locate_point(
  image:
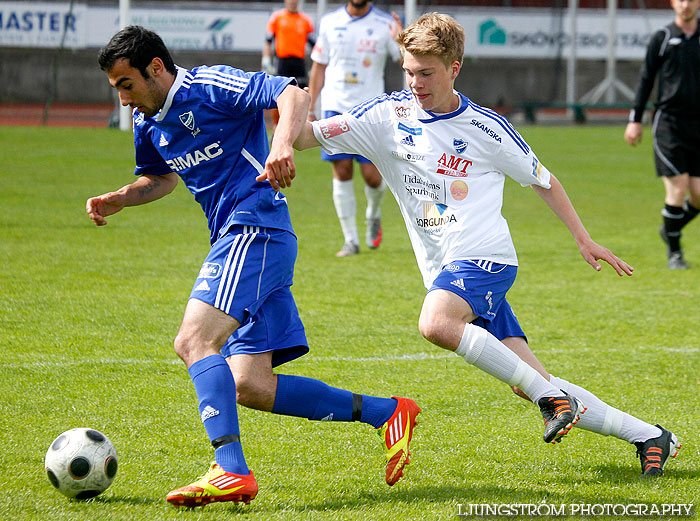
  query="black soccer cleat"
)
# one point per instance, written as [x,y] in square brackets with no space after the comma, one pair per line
[654,452]
[560,413]
[675,258]
[676,261]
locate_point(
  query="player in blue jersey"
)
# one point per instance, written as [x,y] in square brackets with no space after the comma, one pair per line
[206,126]
[446,160]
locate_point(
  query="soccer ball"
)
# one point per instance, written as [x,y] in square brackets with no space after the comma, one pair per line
[81,463]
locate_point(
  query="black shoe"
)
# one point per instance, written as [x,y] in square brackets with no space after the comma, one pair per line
[653,453]
[676,261]
[560,413]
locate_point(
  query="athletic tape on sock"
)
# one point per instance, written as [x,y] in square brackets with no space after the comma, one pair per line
[612,424]
[472,343]
[523,375]
[356,407]
[225,440]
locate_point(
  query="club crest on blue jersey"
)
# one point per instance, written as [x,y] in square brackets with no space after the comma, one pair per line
[187,119]
[460,145]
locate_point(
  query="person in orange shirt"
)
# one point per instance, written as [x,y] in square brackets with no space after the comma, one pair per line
[291,30]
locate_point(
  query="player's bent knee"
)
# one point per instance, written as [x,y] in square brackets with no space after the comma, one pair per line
[191,349]
[181,347]
[255,391]
[433,330]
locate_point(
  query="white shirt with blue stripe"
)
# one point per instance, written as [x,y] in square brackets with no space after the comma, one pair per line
[447,172]
[354,50]
[211,132]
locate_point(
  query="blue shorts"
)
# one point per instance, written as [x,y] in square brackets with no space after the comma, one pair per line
[247,275]
[338,157]
[483,284]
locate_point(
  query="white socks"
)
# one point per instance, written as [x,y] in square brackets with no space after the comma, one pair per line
[374,196]
[606,420]
[345,207]
[483,350]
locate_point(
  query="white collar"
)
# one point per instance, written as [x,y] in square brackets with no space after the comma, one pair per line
[181,73]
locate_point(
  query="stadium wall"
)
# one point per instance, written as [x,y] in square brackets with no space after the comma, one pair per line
[28,74]
[513,56]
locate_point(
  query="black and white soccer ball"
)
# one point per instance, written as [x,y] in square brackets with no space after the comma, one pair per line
[81,463]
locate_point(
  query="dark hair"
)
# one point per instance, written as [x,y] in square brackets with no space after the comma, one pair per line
[139,46]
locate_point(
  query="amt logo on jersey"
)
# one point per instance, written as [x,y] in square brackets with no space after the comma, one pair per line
[454,166]
[193,159]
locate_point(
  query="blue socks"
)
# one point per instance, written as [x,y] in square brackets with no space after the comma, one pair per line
[313,399]
[296,396]
[216,392]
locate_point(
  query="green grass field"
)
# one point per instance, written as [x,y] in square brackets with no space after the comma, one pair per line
[88,315]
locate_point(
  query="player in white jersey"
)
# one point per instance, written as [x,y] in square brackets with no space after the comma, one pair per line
[446,160]
[353,44]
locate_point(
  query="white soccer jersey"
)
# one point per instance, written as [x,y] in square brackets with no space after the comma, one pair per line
[354,51]
[447,172]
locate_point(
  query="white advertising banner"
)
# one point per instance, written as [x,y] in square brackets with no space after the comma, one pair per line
[39,24]
[529,33]
[186,29]
[491,32]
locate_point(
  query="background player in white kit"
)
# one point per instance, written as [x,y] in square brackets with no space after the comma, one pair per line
[348,68]
[445,159]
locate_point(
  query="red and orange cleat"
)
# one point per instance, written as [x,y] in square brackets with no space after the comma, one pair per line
[216,485]
[396,434]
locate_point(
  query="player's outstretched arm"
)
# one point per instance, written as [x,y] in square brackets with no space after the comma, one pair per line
[306,138]
[557,199]
[317,78]
[145,189]
[293,105]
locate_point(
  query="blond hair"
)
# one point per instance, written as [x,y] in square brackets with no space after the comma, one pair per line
[433,34]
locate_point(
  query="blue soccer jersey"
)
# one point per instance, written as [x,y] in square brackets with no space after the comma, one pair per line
[211,132]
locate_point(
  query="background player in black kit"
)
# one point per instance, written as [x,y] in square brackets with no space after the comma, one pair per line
[673,55]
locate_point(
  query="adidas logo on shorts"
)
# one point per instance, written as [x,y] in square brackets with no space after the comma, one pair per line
[202,286]
[459,283]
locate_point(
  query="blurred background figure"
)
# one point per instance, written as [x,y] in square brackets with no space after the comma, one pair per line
[673,55]
[290,29]
[353,44]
